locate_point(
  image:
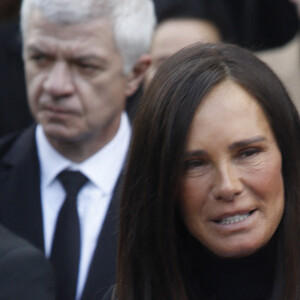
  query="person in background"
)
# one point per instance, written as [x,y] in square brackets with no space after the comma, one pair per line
[253,24]
[176,33]
[285,62]
[24,271]
[59,180]
[297,4]
[213,178]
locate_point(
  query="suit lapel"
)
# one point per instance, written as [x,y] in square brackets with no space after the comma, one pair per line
[20,211]
[102,271]
[20,205]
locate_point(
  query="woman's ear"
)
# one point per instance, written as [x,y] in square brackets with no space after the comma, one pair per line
[136,75]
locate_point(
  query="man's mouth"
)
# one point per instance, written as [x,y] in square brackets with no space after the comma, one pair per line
[56,110]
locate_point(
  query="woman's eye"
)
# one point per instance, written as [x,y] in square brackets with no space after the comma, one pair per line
[194,163]
[248,152]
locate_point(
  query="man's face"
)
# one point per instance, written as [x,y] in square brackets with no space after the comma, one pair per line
[75,82]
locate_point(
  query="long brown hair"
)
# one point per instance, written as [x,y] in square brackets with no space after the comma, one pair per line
[148,262]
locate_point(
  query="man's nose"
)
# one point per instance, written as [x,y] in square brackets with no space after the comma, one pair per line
[228,183]
[59,81]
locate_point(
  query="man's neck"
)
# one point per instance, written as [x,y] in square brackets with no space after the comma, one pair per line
[76,151]
[80,149]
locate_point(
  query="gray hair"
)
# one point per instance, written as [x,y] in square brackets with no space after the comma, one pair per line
[133,21]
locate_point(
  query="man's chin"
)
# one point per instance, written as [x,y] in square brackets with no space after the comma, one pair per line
[61,134]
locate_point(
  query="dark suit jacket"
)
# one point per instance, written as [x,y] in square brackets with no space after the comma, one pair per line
[20,208]
[110,294]
[25,274]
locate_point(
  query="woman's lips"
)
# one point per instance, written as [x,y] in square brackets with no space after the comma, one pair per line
[233,218]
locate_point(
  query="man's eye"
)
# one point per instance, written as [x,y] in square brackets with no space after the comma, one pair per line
[86,66]
[38,58]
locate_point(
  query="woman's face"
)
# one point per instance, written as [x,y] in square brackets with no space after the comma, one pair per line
[233,193]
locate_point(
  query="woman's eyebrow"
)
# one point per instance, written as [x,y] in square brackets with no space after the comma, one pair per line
[238,144]
[247,142]
[189,154]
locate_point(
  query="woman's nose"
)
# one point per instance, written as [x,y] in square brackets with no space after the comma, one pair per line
[228,183]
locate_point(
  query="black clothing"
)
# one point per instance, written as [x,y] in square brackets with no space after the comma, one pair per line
[65,252]
[214,278]
[21,211]
[110,294]
[24,271]
[209,277]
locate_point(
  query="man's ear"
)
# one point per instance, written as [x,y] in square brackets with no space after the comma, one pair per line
[136,75]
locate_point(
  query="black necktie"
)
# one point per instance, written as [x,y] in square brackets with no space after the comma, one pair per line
[66,243]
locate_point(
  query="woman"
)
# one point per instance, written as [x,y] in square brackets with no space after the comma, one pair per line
[210,208]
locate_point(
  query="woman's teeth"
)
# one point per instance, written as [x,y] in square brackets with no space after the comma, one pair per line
[233,219]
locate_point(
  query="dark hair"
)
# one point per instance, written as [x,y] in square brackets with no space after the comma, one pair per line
[148,266]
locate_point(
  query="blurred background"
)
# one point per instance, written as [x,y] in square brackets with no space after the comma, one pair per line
[254,24]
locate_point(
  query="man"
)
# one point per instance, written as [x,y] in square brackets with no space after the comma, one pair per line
[24,272]
[82,60]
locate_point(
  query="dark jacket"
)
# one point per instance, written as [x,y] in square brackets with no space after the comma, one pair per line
[25,274]
[20,208]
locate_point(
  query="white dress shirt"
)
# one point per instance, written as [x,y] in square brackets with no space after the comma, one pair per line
[102,169]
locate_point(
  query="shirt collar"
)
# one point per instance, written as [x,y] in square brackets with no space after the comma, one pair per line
[103,168]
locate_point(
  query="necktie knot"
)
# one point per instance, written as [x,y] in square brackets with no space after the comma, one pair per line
[72,181]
